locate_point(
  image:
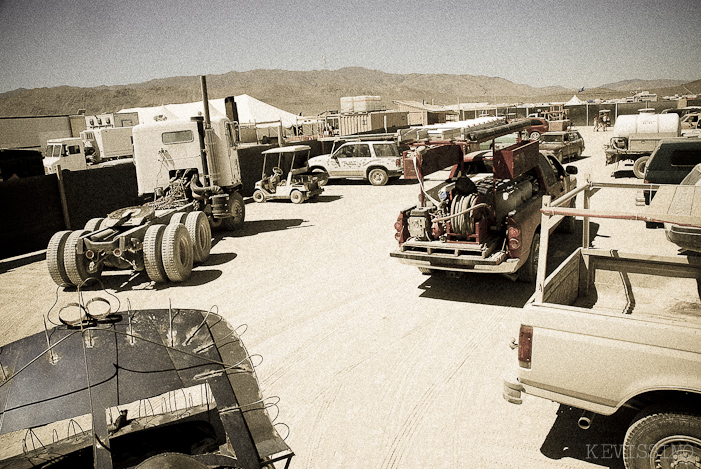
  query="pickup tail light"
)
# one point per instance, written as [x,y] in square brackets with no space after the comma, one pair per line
[525,346]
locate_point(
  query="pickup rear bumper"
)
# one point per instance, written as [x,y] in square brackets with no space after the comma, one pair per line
[513,389]
[497,263]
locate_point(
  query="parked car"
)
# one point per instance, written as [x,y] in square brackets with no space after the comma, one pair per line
[686,237]
[671,161]
[534,132]
[375,161]
[562,145]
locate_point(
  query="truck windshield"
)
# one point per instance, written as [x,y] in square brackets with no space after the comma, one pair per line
[53,151]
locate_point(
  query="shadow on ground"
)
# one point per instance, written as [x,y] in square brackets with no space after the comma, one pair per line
[251,228]
[601,444]
[498,290]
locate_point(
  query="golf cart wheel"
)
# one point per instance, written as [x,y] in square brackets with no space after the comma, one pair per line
[529,270]
[54,258]
[237,208]
[296,197]
[378,177]
[77,265]
[177,252]
[535,135]
[201,234]
[153,258]
[93,224]
[639,167]
[259,196]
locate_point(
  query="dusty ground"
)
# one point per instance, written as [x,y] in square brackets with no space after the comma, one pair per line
[375,364]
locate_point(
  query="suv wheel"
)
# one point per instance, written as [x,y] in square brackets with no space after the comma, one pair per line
[378,177]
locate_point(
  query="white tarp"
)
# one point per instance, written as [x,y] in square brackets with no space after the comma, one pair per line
[250,110]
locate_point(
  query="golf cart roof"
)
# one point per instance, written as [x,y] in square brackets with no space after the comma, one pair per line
[287,149]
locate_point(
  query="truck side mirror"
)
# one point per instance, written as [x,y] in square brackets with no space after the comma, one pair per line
[571,170]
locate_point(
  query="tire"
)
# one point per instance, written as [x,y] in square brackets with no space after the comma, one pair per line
[176,249]
[639,167]
[535,135]
[77,265]
[378,177]
[425,270]
[153,257]
[54,258]
[529,271]
[201,235]
[259,196]
[238,212]
[663,436]
[177,218]
[93,224]
[323,176]
[296,197]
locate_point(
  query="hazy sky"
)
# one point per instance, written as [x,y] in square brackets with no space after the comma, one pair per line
[538,43]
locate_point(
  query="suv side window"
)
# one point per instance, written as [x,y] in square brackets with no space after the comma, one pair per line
[363,151]
[386,150]
[346,152]
[684,158]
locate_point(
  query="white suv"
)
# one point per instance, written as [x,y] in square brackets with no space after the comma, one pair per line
[376,161]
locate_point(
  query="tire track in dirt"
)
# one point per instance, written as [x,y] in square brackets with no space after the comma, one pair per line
[402,440]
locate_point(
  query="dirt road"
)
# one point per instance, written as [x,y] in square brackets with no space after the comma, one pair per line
[376,365]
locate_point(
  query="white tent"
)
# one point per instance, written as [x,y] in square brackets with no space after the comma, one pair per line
[250,111]
[574,101]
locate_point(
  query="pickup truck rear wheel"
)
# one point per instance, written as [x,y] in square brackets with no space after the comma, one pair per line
[639,167]
[529,270]
[663,438]
[378,177]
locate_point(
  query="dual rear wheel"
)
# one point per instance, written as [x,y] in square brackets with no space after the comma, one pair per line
[169,251]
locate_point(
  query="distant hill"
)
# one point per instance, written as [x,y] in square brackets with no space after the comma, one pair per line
[308,93]
[642,85]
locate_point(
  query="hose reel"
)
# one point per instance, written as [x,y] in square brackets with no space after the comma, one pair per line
[463,224]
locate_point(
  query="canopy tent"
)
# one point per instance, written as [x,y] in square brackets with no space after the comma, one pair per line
[250,111]
[574,101]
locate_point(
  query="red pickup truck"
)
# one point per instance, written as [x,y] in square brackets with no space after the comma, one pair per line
[485,216]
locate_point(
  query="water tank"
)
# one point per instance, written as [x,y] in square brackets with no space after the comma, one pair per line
[627,125]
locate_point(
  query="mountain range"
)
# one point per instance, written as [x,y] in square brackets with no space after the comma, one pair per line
[312,92]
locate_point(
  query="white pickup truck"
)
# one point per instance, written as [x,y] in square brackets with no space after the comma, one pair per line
[608,330]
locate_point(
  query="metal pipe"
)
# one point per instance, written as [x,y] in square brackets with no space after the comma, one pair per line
[585,420]
[205,101]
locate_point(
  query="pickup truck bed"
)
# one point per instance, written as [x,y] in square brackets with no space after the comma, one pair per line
[610,318]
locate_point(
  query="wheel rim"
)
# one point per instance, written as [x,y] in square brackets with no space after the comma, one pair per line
[677,451]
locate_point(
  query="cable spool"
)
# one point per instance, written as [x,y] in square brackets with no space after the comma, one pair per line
[463,224]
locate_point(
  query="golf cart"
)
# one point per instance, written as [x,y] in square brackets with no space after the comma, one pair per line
[285,175]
